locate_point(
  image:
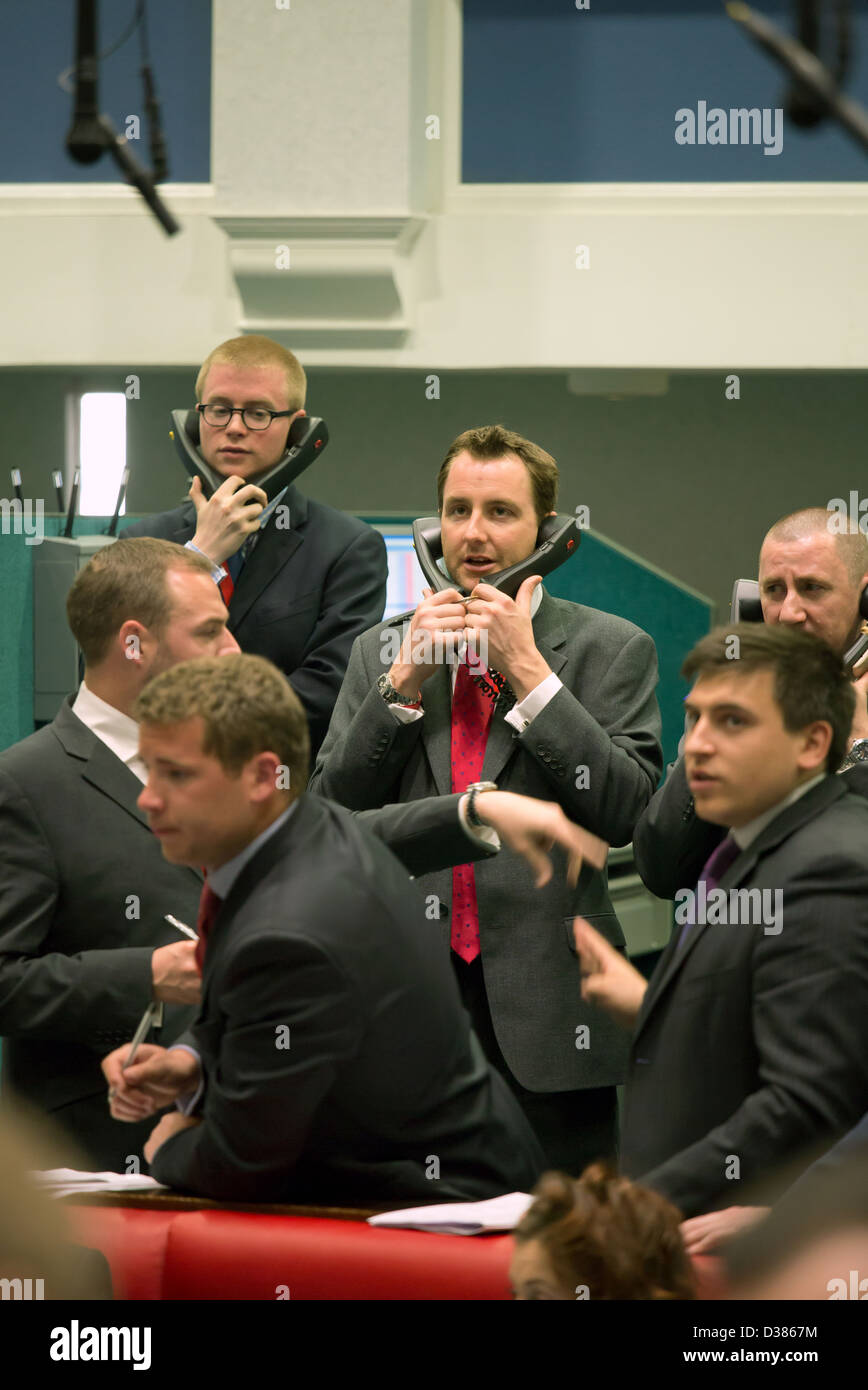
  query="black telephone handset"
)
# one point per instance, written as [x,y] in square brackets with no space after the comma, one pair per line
[746,607]
[308,436]
[558,539]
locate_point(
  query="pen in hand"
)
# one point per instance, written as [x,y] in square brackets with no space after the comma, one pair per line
[153,1015]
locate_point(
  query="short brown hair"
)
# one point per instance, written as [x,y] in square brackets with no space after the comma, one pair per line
[603,1231]
[852,544]
[810,681]
[254,350]
[492,442]
[247,706]
[125,580]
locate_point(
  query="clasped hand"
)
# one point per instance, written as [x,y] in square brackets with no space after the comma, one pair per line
[157,1077]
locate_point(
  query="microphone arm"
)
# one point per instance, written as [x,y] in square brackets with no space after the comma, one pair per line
[800,63]
[92,134]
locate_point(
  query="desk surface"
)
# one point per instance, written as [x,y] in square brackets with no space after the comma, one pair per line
[179,1201]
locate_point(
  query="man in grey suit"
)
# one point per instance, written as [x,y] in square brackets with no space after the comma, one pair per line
[84,889]
[811,579]
[748,1046]
[584,730]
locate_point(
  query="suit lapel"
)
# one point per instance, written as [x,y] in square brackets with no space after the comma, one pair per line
[273,550]
[99,766]
[437,727]
[812,804]
[502,737]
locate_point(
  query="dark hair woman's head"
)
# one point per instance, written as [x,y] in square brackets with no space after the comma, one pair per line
[599,1237]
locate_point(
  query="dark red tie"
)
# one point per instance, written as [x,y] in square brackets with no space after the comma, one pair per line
[209,906]
[471,716]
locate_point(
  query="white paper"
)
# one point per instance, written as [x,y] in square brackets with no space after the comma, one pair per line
[60,1182]
[461,1218]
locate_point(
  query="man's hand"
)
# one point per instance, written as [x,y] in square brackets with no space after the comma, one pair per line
[531,827]
[702,1234]
[435,632]
[859,727]
[157,1077]
[170,1124]
[175,973]
[226,519]
[608,978]
[500,630]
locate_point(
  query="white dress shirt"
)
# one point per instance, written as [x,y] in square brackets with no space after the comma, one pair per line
[112,727]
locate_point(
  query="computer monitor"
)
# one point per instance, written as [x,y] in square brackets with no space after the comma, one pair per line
[406,581]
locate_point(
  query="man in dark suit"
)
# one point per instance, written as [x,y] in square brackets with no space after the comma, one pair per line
[811,579]
[584,731]
[749,1040]
[301,579]
[335,1057]
[84,888]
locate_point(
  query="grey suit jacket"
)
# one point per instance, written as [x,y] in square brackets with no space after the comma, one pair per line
[750,1045]
[83,892]
[606,720]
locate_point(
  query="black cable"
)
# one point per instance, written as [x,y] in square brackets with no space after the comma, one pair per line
[138,14]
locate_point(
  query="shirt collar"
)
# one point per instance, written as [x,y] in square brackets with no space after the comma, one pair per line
[746,834]
[115,729]
[222,880]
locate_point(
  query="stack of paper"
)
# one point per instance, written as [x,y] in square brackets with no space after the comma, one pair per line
[461,1218]
[60,1182]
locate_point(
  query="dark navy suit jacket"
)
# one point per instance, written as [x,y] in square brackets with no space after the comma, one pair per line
[306,592]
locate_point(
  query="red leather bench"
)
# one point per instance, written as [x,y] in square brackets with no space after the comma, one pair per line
[251,1255]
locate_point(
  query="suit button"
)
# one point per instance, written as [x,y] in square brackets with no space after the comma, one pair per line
[540,749]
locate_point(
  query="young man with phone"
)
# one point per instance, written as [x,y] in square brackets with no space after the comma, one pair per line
[301,579]
[811,579]
[566,711]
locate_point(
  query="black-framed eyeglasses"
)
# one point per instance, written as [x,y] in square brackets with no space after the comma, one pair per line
[255,417]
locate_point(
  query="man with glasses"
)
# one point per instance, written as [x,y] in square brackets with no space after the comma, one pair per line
[301,580]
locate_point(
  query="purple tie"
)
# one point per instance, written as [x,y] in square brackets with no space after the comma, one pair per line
[712,871]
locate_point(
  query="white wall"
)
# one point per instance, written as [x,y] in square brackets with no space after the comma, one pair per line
[319,144]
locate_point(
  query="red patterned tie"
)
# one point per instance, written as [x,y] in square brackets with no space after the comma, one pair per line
[471,716]
[209,906]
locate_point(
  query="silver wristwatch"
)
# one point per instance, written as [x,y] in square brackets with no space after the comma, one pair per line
[857,754]
[474,788]
[393,696]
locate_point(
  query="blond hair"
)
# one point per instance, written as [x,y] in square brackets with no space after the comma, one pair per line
[254,350]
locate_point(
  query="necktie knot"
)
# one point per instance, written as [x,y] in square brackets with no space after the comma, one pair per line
[717,863]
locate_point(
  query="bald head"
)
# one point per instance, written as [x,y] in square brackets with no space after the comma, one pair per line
[813,567]
[851,543]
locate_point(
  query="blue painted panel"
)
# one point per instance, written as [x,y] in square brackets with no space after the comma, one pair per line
[35,113]
[552,94]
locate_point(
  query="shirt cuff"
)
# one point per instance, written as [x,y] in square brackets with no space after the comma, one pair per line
[188,1101]
[533,704]
[217,571]
[404,714]
[480,834]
